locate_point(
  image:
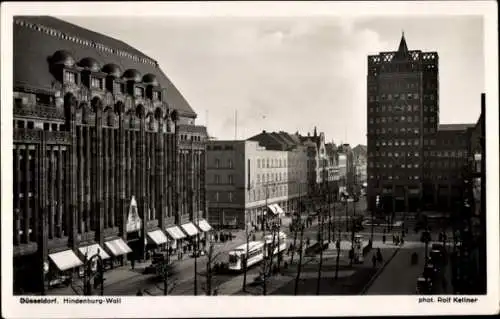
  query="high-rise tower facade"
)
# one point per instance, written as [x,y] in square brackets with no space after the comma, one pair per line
[403,115]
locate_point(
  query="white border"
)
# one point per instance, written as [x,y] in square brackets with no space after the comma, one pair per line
[268,306]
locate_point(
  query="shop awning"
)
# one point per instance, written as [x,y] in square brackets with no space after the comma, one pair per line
[279,209]
[65,260]
[204,225]
[118,247]
[175,232]
[189,228]
[272,209]
[92,250]
[157,237]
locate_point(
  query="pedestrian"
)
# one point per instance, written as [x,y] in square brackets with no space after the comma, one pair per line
[374,261]
[402,241]
[216,237]
[132,262]
[383,239]
[379,255]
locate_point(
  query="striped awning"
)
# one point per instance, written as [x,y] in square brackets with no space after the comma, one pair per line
[92,250]
[204,225]
[272,209]
[65,260]
[189,228]
[175,232]
[118,247]
[157,237]
[279,209]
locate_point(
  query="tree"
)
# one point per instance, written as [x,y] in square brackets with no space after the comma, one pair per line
[245,260]
[320,233]
[300,258]
[209,273]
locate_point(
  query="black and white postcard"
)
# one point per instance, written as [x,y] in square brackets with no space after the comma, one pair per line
[248,159]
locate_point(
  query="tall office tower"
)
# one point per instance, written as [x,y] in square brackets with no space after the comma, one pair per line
[403,114]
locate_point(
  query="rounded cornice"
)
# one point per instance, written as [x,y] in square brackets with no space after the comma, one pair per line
[112,70]
[132,75]
[150,79]
[90,64]
[63,57]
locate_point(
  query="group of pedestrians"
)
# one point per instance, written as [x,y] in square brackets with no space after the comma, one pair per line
[377,258]
[396,239]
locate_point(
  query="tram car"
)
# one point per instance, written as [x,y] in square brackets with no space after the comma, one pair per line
[238,255]
[280,243]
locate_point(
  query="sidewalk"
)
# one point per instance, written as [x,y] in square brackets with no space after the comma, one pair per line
[399,277]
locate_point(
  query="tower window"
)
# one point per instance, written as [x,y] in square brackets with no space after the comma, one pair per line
[96,83]
[139,92]
[69,77]
[156,96]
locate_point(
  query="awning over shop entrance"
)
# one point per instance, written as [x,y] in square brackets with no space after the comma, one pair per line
[175,232]
[204,225]
[189,228]
[272,209]
[118,247]
[157,237]
[65,260]
[279,209]
[92,250]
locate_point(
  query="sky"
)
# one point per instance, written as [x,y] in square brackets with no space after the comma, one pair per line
[296,73]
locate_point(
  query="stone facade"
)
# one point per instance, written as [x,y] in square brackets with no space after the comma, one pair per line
[88,138]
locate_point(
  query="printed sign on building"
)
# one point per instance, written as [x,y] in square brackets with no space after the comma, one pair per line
[133,221]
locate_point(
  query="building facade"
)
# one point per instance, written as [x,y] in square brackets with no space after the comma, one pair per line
[105,150]
[403,114]
[246,181]
[444,169]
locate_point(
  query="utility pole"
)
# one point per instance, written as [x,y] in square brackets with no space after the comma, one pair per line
[300,258]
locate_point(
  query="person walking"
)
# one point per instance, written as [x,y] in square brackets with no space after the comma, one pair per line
[379,255]
[383,239]
[374,261]
[132,262]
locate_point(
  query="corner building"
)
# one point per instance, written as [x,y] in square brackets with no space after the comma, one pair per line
[105,149]
[403,114]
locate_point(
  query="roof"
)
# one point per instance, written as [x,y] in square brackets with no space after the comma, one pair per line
[36,38]
[455,127]
[402,44]
[360,149]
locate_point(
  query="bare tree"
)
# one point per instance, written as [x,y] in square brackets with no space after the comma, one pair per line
[300,258]
[209,272]
[320,242]
[245,260]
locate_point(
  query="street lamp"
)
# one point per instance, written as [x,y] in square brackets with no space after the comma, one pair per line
[88,273]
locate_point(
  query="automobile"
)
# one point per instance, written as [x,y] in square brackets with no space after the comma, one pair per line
[424,286]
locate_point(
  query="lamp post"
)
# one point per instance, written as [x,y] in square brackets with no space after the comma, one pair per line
[88,275]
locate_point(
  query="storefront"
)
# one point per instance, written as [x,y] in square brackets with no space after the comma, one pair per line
[61,267]
[88,252]
[206,231]
[118,249]
[176,235]
[191,231]
[156,242]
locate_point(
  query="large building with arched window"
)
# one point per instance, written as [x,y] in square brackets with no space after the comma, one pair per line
[107,158]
